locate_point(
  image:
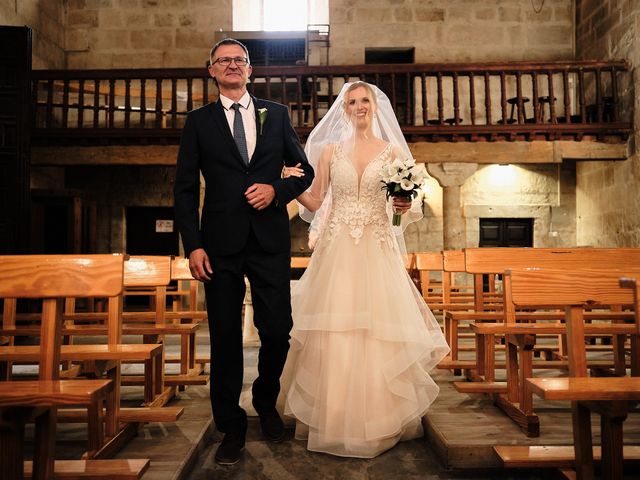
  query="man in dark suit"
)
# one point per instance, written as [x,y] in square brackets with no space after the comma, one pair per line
[240,145]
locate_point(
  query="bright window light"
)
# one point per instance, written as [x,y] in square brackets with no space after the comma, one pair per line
[278,15]
[283,15]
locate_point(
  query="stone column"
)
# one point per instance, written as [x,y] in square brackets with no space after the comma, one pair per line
[451,176]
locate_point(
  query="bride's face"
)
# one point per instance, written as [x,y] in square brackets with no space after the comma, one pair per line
[360,107]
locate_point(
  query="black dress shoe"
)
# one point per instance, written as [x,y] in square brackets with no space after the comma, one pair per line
[232,445]
[272,426]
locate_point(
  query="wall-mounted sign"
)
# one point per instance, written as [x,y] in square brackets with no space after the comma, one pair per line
[164,226]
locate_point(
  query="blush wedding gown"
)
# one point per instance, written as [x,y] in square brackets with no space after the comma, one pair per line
[363,340]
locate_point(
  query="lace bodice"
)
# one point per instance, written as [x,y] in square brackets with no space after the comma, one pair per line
[357,205]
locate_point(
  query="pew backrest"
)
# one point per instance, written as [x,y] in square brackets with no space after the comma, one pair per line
[147,271]
[573,290]
[431,261]
[497,260]
[53,277]
[453,260]
[532,287]
[180,269]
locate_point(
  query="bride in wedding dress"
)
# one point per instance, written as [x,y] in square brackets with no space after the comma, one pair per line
[363,341]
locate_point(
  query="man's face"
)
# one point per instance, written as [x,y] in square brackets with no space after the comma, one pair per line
[232,75]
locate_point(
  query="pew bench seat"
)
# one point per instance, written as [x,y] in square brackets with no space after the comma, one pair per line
[118,469]
[594,329]
[35,397]
[134,317]
[127,329]
[52,393]
[586,388]
[30,353]
[534,316]
[194,378]
[554,456]
[556,364]
[566,388]
[127,414]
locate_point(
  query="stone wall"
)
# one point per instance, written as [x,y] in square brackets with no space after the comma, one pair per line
[143,33]
[452,31]
[544,192]
[178,33]
[117,187]
[46,19]
[608,198]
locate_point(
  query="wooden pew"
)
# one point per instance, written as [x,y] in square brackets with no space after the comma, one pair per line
[609,396]
[148,275]
[494,261]
[51,278]
[456,309]
[187,288]
[105,360]
[152,275]
[300,262]
[426,264]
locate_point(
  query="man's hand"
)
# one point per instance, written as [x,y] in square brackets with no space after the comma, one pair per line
[199,265]
[260,195]
[401,204]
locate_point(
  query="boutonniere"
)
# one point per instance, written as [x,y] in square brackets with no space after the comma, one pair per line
[262,117]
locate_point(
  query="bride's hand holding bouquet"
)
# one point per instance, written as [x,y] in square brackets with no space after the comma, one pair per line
[402,179]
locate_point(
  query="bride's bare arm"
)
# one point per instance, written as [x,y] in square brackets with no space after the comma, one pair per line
[313,197]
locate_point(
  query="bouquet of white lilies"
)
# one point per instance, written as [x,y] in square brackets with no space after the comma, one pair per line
[402,178]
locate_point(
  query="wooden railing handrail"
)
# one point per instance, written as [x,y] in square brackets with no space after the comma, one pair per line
[433,101]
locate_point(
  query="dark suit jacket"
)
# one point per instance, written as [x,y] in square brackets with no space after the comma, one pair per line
[207,146]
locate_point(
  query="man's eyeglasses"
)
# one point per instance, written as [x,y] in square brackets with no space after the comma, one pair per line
[226,61]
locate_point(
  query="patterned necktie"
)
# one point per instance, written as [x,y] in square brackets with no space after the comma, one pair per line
[238,133]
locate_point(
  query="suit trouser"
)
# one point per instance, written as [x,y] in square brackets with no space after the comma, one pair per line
[269,277]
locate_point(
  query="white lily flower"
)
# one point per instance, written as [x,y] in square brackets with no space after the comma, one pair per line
[397,163]
[407,185]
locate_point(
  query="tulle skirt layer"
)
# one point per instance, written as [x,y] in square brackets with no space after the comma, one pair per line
[363,341]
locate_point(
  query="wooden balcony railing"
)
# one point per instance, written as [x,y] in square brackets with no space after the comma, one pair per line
[434,102]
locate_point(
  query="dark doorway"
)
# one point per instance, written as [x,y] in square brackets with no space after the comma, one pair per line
[389,55]
[15,101]
[62,222]
[506,232]
[277,51]
[151,231]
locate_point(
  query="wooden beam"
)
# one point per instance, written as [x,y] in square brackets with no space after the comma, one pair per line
[593,150]
[427,152]
[105,155]
[516,152]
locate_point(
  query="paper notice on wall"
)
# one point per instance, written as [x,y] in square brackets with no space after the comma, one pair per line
[164,226]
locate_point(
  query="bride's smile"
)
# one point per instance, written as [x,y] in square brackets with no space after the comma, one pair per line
[359,106]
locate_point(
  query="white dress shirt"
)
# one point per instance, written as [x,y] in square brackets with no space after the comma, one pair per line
[248,119]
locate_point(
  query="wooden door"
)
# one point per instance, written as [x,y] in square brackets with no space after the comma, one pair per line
[15,107]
